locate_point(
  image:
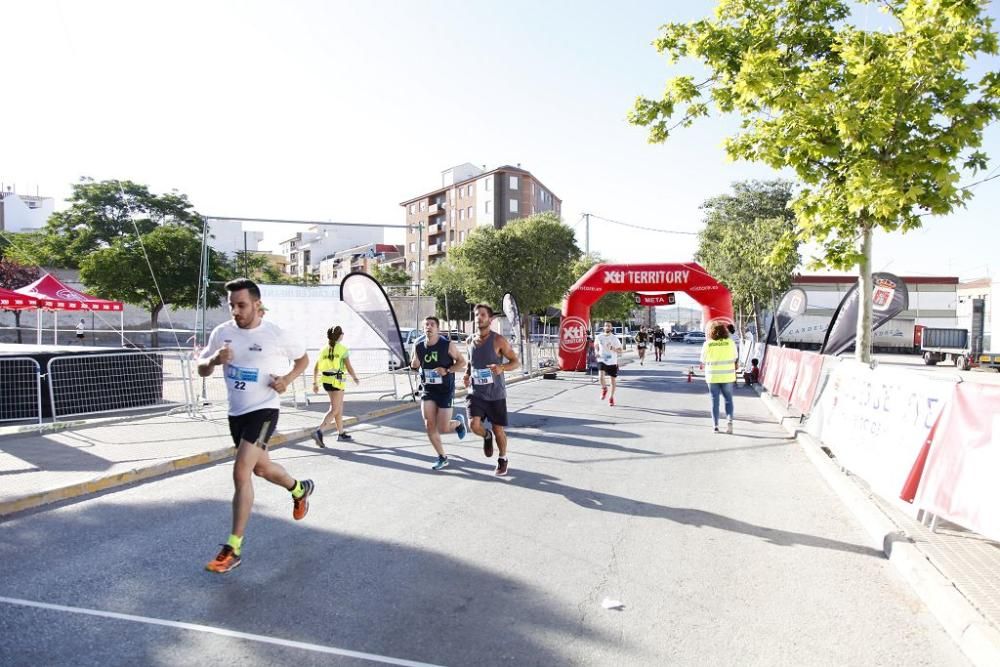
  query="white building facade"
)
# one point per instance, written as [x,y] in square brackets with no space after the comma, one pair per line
[24,213]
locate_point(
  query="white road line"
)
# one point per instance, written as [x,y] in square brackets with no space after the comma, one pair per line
[305,646]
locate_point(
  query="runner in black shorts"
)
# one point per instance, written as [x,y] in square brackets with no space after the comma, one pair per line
[641,342]
[659,340]
[438,360]
[487,399]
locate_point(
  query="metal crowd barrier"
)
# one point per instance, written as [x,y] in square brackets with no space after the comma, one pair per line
[20,389]
[119,382]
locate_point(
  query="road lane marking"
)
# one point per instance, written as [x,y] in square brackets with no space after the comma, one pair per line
[196,627]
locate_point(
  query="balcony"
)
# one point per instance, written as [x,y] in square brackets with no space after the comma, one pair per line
[434,209]
[437,248]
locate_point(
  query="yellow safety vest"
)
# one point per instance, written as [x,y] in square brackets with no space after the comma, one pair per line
[331,365]
[720,361]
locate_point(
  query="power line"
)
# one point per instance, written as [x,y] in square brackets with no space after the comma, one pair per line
[303,222]
[647,229]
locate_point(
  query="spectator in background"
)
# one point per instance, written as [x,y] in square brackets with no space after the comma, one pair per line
[752,376]
[80,328]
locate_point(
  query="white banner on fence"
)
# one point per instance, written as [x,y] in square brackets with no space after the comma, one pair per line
[875,422]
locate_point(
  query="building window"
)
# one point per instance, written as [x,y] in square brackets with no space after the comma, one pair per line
[461,236]
[468,191]
[423,206]
[486,184]
[513,182]
[469,213]
[461,214]
[513,206]
[413,246]
[488,207]
[413,209]
[413,266]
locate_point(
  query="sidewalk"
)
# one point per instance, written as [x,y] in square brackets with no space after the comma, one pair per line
[954,571]
[69,460]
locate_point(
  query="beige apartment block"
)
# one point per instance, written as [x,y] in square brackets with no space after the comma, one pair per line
[469,197]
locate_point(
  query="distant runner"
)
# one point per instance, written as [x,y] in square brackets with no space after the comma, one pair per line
[607,346]
[659,341]
[641,341]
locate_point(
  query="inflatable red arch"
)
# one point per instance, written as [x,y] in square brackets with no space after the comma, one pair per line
[713,296]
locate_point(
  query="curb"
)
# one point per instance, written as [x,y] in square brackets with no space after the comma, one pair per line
[974,635]
[34,500]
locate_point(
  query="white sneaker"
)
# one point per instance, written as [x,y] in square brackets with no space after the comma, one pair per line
[729,427]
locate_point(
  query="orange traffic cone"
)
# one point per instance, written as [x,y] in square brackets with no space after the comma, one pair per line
[690,373]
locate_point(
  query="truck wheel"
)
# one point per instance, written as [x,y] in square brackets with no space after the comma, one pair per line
[929,360]
[961,363]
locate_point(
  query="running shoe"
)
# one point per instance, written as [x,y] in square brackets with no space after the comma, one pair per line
[317,435]
[300,506]
[442,462]
[604,393]
[611,401]
[501,467]
[344,437]
[460,429]
[225,561]
[729,427]
[716,429]
[488,444]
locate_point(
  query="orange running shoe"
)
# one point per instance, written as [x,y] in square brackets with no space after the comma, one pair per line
[300,506]
[225,561]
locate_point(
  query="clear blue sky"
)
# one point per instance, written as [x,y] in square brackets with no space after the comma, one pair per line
[340,110]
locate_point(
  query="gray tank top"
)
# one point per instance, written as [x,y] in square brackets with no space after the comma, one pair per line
[483,355]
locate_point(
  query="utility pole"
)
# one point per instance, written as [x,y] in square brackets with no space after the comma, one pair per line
[586,227]
[420,261]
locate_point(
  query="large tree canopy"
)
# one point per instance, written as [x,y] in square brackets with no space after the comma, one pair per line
[746,241]
[532,258]
[877,124]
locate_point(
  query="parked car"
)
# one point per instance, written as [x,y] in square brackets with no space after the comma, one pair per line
[677,336]
[693,337]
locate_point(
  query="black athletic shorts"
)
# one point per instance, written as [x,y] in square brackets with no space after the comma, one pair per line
[257,427]
[610,369]
[330,387]
[442,399]
[495,412]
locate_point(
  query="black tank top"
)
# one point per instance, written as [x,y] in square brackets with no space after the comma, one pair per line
[436,356]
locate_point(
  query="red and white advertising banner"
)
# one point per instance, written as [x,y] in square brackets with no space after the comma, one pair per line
[771,369]
[875,422]
[960,476]
[789,371]
[810,371]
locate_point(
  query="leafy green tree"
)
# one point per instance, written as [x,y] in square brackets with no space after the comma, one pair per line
[877,124]
[745,243]
[258,267]
[101,213]
[390,275]
[120,271]
[14,276]
[532,258]
[446,282]
[613,306]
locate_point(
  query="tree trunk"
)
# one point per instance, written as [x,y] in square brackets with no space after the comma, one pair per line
[863,339]
[154,319]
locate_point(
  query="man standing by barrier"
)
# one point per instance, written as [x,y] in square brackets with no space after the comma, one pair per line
[607,347]
[255,356]
[487,399]
[438,360]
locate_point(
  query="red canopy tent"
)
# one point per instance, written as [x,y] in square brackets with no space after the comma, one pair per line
[10,300]
[52,294]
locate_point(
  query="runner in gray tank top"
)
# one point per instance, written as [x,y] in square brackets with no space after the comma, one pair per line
[487,398]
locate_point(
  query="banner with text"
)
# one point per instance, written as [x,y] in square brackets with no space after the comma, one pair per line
[875,421]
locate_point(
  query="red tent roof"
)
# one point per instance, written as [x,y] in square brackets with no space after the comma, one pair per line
[54,295]
[16,301]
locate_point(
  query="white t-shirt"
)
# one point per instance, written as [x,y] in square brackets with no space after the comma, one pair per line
[606,346]
[259,355]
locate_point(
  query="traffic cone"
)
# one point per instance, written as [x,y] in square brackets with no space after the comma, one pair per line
[690,373]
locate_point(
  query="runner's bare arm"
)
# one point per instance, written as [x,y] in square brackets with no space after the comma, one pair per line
[460,362]
[513,363]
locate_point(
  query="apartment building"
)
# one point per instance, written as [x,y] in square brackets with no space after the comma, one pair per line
[307,249]
[23,213]
[362,258]
[469,197]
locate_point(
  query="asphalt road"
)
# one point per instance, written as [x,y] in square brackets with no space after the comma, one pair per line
[630,535]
